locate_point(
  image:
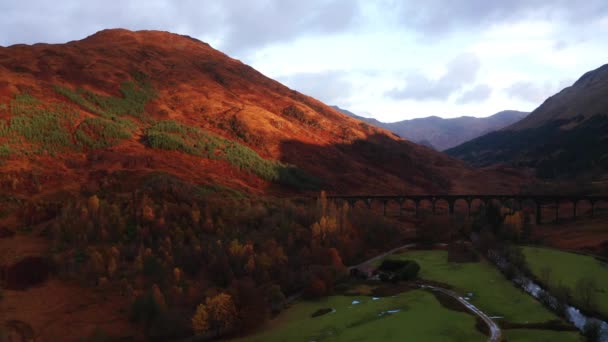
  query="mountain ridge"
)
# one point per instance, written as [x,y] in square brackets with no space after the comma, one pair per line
[442,133]
[563,138]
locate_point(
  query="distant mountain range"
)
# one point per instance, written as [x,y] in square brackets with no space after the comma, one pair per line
[442,134]
[566,137]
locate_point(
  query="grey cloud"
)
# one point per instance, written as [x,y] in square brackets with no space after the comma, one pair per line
[478,93]
[461,71]
[251,25]
[239,25]
[437,16]
[535,92]
[329,87]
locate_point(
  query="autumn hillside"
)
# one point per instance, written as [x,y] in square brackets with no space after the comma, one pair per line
[118,105]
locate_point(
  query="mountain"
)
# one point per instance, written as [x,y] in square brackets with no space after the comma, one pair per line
[565,137]
[442,134]
[76,115]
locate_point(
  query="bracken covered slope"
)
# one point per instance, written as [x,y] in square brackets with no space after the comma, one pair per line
[118,105]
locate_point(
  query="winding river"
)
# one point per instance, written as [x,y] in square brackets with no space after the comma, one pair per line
[572,314]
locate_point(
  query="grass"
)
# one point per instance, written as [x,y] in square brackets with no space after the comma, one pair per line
[530,335]
[171,135]
[492,293]
[421,318]
[566,269]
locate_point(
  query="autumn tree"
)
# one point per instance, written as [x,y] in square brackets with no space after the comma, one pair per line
[200,320]
[218,313]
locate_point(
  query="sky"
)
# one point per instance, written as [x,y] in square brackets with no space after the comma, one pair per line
[388,59]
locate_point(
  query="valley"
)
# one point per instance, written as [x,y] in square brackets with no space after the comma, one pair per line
[153,188]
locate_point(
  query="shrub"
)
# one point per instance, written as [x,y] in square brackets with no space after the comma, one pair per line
[395,270]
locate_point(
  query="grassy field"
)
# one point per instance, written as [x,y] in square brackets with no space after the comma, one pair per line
[559,268]
[492,293]
[421,318]
[530,335]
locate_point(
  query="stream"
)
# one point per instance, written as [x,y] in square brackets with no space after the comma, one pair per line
[572,314]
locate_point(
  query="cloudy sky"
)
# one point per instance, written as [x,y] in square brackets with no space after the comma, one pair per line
[387,59]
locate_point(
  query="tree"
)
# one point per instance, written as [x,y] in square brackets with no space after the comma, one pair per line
[200,320]
[275,297]
[434,230]
[315,289]
[592,331]
[222,312]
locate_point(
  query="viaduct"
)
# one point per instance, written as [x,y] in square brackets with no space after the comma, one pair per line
[538,200]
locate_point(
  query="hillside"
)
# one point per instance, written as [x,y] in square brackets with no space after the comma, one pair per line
[443,134]
[135,102]
[563,138]
[145,173]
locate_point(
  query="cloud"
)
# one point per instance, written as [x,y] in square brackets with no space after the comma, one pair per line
[251,25]
[330,86]
[535,92]
[237,26]
[478,93]
[461,71]
[434,17]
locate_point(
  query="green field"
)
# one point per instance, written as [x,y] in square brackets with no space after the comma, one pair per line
[530,335]
[492,293]
[422,318]
[566,269]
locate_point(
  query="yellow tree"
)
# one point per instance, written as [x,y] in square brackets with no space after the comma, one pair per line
[222,312]
[200,320]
